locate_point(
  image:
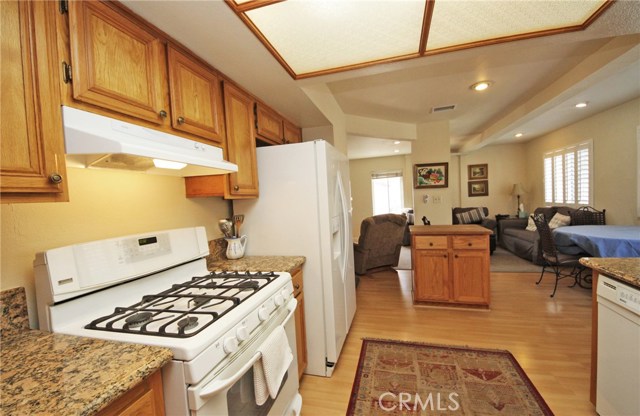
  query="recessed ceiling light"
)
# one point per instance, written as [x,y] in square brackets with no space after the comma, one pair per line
[396,142]
[396,151]
[481,86]
[581,105]
[519,134]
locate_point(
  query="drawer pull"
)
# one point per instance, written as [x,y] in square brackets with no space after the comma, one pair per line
[469,244]
[431,244]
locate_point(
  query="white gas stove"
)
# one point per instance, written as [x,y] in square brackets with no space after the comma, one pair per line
[155,289]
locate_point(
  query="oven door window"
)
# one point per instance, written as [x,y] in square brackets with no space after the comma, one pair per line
[241,398]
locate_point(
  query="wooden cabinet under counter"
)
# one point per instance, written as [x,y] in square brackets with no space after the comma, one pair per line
[451,265]
[301,332]
[145,399]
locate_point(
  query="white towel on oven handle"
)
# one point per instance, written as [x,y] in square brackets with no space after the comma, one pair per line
[269,370]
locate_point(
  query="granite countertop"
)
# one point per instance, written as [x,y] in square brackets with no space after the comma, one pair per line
[45,373]
[626,270]
[258,264]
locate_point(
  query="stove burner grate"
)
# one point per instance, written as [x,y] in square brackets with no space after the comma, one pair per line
[186,308]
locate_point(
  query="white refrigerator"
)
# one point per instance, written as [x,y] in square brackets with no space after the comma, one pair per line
[304,209]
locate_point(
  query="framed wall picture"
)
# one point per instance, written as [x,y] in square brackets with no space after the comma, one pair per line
[431,175]
[478,172]
[479,188]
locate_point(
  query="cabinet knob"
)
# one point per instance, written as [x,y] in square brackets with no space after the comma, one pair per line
[297,286]
[445,256]
[162,114]
[236,188]
[55,178]
[469,244]
[431,244]
[455,255]
[180,120]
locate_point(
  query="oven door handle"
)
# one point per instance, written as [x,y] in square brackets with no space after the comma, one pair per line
[217,386]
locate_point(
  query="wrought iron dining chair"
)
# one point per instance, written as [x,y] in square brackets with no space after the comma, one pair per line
[588,216]
[555,261]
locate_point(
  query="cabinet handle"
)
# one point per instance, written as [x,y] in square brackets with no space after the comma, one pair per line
[297,286]
[180,120]
[55,178]
[236,188]
[163,114]
[455,255]
[469,244]
[430,244]
[445,256]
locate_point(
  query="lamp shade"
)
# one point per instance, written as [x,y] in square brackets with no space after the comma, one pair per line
[518,189]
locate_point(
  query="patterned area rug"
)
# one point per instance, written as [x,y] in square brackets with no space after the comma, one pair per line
[396,377]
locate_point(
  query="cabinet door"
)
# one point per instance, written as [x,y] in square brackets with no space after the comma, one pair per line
[471,276]
[32,146]
[431,275]
[145,399]
[116,63]
[241,145]
[301,335]
[292,134]
[196,99]
[269,124]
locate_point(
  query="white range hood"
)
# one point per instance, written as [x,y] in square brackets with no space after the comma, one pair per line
[92,140]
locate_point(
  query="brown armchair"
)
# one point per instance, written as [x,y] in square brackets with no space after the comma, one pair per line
[380,242]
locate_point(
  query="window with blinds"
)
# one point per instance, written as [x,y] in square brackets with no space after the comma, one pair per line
[387,193]
[567,175]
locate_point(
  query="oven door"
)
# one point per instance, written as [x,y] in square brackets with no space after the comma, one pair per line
[229,391]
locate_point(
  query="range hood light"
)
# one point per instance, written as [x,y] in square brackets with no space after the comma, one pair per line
[168,164]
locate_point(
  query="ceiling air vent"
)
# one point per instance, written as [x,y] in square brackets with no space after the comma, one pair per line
[443,108]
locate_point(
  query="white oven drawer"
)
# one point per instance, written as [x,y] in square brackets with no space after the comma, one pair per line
[229,390]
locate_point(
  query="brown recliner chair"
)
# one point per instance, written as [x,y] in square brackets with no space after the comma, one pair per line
[380,242]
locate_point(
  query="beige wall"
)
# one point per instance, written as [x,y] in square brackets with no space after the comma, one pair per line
[615,166]
[506,165]
[103,204]
[432,146]
[360,175]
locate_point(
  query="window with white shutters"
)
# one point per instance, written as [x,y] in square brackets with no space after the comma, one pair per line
[567,175]
[387,193]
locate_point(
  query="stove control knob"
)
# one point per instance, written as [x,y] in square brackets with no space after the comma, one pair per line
[241,333]
[230,345]
[263,314]
[278,299]
[285,293]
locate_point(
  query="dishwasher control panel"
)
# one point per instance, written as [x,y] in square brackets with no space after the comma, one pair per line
[622,294]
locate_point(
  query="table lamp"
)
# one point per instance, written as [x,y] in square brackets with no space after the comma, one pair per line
[518,190]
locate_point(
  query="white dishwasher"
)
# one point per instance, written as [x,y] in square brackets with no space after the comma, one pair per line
[618,382]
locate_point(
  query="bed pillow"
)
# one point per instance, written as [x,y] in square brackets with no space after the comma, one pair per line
[559,220]
[531,225]
[474,216]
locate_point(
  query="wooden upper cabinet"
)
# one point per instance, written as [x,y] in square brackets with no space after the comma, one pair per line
[268,124]
[241,150]
[241,145]
[196,99]
[32,146]
[292,133]
[116,63]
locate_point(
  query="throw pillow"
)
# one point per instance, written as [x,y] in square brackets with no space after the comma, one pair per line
[531,226]
[474,216]
[559,220]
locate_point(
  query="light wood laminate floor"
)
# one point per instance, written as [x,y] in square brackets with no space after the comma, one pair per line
[550,338]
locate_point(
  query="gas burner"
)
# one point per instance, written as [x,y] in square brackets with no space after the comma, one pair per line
[199,301]
[138,319]
[248,284]
[187,323]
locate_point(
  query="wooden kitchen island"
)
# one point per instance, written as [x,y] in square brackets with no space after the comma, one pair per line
[450,265]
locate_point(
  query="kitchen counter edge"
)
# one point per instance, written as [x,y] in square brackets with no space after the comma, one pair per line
[624,269]
[258,264]
[46,373]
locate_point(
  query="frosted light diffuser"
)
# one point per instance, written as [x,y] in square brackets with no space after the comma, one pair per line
[168,164]
[316,37]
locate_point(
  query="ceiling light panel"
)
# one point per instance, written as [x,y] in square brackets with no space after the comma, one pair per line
[312,36]
[457,22]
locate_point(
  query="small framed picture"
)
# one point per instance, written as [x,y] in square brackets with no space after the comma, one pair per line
[479,188]
[431,175]
[478,172]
